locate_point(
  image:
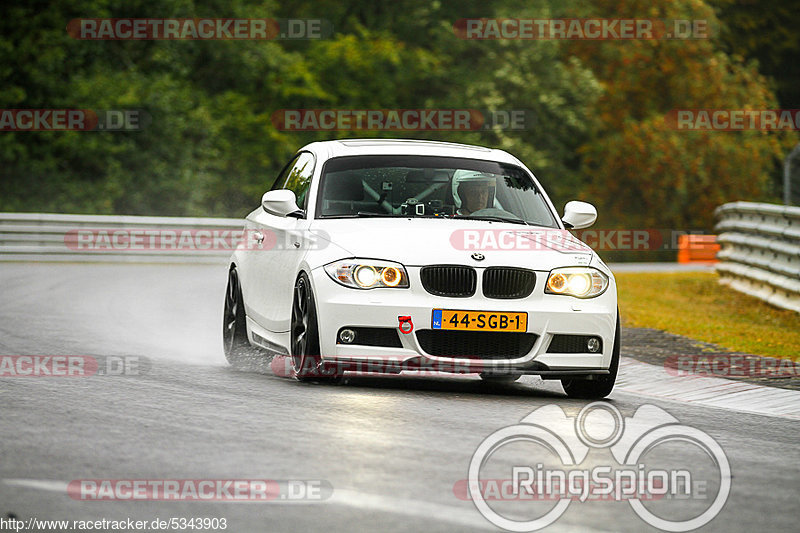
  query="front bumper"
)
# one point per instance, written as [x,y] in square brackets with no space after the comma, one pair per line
[548,315]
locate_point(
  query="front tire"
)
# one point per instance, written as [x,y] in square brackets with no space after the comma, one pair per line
[306,360]
[601,386]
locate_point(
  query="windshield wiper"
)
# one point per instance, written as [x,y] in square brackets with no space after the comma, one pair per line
[368,214]
[362,214]
[493,219]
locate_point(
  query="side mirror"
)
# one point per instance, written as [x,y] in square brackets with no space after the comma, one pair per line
[579,215]
[281,202]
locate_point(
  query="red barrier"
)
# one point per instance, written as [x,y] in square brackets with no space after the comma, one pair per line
[697,249]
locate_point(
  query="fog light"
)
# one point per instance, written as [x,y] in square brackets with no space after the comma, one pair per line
[593,344]
[347,336]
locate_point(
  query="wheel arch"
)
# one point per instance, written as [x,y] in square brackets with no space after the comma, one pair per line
[306,269]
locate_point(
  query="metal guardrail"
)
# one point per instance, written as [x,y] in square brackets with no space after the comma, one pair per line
[760,251]
[53,237]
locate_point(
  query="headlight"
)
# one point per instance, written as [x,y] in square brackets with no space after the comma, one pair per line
[367,274]
[581,282]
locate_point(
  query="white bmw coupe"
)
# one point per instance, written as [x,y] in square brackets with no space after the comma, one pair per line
[388,256]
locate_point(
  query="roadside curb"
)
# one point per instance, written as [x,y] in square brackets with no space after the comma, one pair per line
[649,380]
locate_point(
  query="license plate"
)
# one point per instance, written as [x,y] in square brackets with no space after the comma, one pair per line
[479,320]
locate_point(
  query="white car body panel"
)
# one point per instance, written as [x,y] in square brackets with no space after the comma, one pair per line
[268,277]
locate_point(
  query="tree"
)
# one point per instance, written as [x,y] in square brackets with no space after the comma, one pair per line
[767,33]
[643,171]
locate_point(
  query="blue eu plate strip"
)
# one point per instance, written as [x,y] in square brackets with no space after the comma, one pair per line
[437,319]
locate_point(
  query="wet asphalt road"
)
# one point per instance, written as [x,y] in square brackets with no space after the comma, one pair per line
[391,449]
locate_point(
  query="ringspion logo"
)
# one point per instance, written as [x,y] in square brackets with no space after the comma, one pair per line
[673,476]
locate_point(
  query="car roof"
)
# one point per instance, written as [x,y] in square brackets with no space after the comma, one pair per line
[351,147]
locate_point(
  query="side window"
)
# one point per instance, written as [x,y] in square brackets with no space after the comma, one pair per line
[297,178]
[281,179]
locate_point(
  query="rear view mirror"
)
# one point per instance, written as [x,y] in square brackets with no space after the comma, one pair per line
[281,202]
[579,215]
[427,175]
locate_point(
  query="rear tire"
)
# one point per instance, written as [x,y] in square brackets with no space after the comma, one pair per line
[600,386]
[235,343]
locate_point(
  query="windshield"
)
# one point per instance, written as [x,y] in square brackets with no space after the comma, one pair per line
[422,186]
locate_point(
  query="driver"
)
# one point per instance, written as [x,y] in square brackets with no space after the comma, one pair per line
[473,191]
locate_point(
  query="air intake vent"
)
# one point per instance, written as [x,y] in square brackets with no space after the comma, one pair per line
[508,283]
[455,281]
[476,344]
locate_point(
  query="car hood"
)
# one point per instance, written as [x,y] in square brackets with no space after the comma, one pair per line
[421,241]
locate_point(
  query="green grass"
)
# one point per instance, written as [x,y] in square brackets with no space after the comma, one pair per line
[695,305]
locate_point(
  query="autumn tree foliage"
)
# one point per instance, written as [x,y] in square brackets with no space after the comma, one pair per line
[639,168]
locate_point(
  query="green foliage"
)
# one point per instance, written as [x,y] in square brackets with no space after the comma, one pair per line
[212,150]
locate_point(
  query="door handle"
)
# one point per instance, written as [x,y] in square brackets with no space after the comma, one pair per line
[259,236]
